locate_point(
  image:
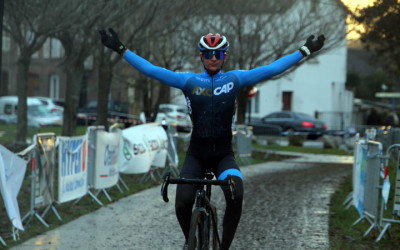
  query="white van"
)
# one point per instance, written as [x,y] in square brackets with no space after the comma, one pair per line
[37,112]
[174,114]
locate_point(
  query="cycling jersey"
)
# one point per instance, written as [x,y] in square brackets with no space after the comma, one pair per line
[211,100]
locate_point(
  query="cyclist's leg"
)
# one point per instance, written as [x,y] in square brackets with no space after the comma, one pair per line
[233,209]
[186,193]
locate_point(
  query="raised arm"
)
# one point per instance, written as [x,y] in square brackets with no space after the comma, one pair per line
[166,76]
[251,77]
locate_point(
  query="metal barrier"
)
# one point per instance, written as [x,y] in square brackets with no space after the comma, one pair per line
[371,186]
[369,165]
[42,185]
[242,142]
[385,223]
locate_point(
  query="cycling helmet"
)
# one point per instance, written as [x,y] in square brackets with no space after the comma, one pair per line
[213,42]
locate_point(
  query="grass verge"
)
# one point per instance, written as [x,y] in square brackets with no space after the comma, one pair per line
[342,235]
[297,149]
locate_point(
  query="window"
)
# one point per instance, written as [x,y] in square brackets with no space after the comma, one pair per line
[56,48]
[6,42]
[46,49]
[55,86]
[257,103]
[8,109]
[35,55]
[283,115]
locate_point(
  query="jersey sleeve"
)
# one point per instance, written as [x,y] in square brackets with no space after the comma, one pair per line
[253,76]
[171,78]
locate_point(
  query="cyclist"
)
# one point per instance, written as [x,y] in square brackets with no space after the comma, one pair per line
[211,101]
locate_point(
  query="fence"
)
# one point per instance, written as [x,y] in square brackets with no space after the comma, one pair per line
[371,184]
[92,162]
[84,163]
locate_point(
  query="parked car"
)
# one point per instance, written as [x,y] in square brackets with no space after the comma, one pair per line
[288,122]
[174,114]
[50,104]
[117,111]
[37,113]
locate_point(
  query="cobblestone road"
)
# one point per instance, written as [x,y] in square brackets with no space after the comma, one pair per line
[286,206]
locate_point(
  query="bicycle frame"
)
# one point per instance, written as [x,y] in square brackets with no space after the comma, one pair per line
[208,212]
[203,206]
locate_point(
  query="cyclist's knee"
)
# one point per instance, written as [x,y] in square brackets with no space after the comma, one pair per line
[238,191]
[185,197]
[238,188]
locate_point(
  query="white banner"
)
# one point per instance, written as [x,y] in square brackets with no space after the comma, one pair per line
[359,167]
[72,171]
[12,172]
[143,146]
[106,162]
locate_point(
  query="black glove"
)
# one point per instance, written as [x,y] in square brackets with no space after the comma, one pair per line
[312,45]
[112,41]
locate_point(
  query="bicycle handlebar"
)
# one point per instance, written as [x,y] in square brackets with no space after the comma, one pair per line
[168,180]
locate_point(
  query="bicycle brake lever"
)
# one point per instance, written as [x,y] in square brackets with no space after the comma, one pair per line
[232,187]
[164,187]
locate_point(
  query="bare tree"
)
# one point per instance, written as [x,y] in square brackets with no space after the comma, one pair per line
[261,31]
[78,41]
[156,32]
[29,23]
[131,23]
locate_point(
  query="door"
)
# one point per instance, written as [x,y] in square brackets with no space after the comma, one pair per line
[287,100]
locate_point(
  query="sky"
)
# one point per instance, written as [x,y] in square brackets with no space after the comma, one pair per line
[352,5]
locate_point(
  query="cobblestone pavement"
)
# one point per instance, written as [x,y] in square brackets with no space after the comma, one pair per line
[286,206]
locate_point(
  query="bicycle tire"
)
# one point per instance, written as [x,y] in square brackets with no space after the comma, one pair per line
[196,233]
[214,239]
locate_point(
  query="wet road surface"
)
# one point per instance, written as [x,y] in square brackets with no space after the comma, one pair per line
[286,206]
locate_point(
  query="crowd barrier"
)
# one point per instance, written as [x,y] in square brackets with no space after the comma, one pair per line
[93,161]
[66,169]
[371,185]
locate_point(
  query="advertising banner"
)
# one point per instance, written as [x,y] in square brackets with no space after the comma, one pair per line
[106,159]
[359,169]
[12,172]
[396,202]
[72,171]
[43,166]
[143,146]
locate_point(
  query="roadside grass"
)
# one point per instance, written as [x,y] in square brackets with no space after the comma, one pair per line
[298,149]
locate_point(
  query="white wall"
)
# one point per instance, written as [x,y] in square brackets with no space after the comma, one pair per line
[317,85]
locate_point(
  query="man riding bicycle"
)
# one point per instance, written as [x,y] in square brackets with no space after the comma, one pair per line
[211,101]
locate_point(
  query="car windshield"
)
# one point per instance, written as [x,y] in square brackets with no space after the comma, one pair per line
[37,110]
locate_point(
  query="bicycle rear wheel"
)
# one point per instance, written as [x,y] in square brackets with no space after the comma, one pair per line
[196,233]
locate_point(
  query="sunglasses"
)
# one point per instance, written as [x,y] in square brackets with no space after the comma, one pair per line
[208,54]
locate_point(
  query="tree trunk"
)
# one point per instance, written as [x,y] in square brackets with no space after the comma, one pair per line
[242,104]
[74,79]
[22,84]
[105,76]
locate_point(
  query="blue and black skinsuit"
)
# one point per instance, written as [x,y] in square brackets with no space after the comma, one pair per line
[211,102]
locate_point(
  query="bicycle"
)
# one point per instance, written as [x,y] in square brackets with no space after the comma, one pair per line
[204,220]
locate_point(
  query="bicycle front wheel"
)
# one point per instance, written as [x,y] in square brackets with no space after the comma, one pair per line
[196,233]
[214,239]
